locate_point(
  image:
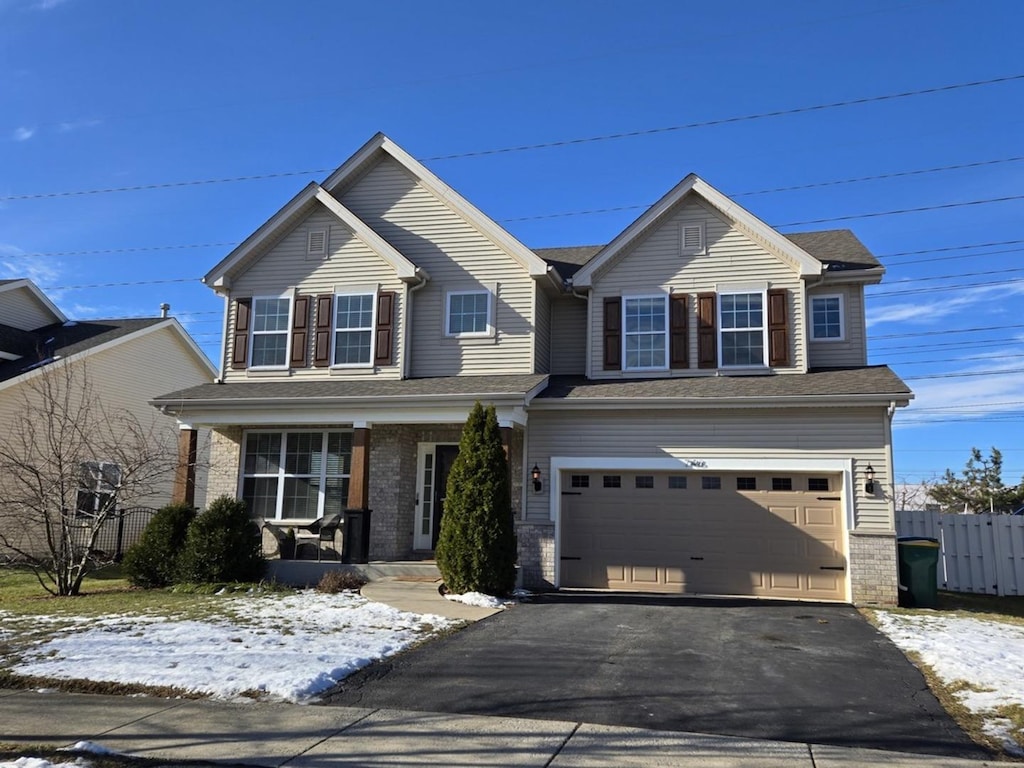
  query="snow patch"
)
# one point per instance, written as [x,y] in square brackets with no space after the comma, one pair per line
[480,600]
[38,762]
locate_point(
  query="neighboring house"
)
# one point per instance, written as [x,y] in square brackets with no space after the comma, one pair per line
[125,362]
[686,409]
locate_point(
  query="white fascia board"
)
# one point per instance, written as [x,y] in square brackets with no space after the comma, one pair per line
[25,283]
[218,275]
[807,265]
[37,371]
[341,414]
[405,269]
[530,261]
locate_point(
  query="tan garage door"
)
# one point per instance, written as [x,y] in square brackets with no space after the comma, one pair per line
[766,535]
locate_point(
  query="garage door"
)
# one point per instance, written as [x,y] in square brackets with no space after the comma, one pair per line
[765,535]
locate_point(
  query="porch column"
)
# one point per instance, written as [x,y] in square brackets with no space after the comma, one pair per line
[359,476]
[184,489]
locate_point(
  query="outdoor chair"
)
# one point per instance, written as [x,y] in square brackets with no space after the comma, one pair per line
[322,532]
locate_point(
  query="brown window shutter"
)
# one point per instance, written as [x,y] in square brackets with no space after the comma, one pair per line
[679,341]
[322,331]
[300,332]
[778,327]
[240,343]
[707,331]
[613,333]
[385,327]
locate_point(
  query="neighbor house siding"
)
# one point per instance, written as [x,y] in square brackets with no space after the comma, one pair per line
[349,263]
[852,350]
[569,336]
[654,264]
[457,257]
[818,433]
[20,309]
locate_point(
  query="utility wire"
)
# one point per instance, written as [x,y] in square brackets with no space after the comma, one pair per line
[899,212]
[946,332]
[942,288]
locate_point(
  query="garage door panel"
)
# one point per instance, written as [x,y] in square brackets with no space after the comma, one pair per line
[661,539]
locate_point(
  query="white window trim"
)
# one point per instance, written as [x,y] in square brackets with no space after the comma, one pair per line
[448,314]
[738,291]
[281,475]
[842,318]
[253,333]
[666,332]
[373,294]
[701,249]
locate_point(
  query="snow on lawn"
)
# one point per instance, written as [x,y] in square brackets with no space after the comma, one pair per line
[480,600]
[288,647]
[988,655]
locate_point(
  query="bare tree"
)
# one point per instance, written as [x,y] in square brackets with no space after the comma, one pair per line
[68,462]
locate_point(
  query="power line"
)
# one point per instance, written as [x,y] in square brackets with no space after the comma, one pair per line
[946,332]
[728,120]
[952,258]
[964,375]
[951,248]
[121,285]
[899,212]
[942,288]
[989,358]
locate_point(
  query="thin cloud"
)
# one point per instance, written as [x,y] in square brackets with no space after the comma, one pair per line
[16,264]
[928,310]
[23,133]
[77,125]
[47,5]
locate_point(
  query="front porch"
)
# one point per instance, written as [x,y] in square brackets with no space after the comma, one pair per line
[307,573]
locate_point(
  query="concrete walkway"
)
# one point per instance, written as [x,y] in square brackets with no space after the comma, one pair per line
[421,595]
[302,736]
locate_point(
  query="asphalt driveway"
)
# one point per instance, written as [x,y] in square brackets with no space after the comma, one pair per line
[785,671]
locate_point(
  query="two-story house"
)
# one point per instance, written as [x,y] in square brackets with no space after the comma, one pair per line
[686,409]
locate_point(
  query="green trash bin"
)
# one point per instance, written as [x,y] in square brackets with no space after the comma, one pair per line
[919,562]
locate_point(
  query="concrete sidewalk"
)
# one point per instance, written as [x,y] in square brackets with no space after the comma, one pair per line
[300,736]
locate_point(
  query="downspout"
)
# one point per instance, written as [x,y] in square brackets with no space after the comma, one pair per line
[890,411]
[408,320]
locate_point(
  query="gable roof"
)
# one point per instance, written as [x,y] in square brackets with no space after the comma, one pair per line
[749,224]
[380,143]
[23,283]
[287,217]
[69,339]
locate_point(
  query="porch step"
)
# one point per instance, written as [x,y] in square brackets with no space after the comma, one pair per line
[307,573]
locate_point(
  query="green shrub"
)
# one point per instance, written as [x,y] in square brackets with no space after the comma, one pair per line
[334,582]
[476,549]
[222,545]
[151,562]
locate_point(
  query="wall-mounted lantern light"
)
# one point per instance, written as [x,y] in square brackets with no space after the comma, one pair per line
[535,475]
[869,486]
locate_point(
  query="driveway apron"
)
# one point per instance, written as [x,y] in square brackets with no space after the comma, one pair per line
[770,670]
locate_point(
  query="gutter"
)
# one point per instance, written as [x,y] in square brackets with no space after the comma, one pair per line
[640,403]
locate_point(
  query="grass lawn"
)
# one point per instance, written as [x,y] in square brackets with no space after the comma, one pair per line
[991,609]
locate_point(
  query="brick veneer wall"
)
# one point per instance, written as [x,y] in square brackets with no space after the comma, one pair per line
[536,555]
[225,458]
[873,568]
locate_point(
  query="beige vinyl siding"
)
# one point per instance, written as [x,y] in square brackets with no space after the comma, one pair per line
[350,262]
[756,434]
[569,336]
[654,265]
[20,309]
[852,350]
[124,377]
[542,333]
[457,257]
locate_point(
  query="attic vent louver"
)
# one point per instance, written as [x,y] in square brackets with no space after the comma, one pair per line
[316,243]
[692,237]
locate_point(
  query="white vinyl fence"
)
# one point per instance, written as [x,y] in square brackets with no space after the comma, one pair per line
[979,553]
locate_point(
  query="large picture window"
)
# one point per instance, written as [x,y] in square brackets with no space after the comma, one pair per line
[270,322]
[296,475]
[353,329]
[645,332]
[742,328]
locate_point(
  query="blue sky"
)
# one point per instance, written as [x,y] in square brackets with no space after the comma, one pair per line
[102,94]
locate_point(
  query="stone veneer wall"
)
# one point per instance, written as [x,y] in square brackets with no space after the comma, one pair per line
[873,568]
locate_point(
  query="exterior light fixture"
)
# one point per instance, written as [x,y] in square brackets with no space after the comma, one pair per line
[535,475]
[869,486]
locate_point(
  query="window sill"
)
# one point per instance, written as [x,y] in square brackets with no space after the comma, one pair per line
[258,373]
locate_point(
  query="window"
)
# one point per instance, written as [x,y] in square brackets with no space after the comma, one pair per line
[353,329]
[827,318]
[817,484]
[580,481]
[97,486]
[270,321]
[746,483]
[677,482]
[742,329]
[645,333]
[469,314]
[613,481]
[644,481]
[296,475]
[782,484]
[708,483]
